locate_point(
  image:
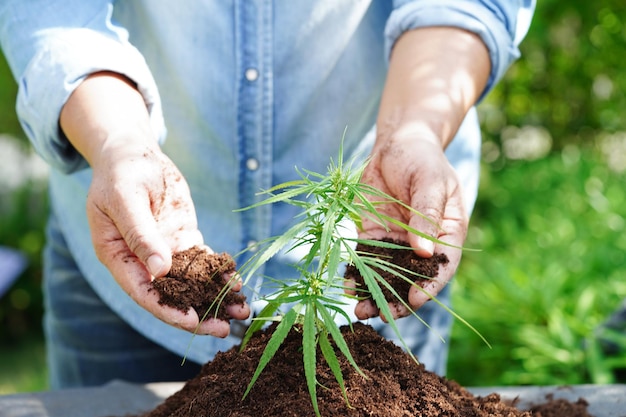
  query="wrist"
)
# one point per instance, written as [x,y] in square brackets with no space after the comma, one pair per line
[106,113]
[120,146]
[412,132]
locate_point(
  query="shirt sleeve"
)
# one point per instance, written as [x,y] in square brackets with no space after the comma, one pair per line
[501,24]
[51,47]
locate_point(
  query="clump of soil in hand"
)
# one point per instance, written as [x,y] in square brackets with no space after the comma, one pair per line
[196,280]
[426,268]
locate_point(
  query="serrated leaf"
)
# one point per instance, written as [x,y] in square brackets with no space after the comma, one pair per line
[333,363]
[265,254]
[334,331]
[258,324]
[309,354]
[371,281]
[279,335]
[333,261]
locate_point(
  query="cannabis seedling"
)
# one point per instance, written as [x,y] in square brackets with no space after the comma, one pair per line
[314,299]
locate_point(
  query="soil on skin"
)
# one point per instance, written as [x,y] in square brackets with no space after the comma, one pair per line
[395,385]
[196,280]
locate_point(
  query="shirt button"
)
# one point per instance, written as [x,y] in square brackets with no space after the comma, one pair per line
[252,74]
[252,164]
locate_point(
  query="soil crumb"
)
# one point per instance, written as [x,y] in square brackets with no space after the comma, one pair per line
[196,280]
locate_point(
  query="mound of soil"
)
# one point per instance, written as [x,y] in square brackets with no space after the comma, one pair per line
[196,280]
[394,384]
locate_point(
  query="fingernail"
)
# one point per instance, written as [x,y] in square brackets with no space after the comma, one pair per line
[155,265]
[427,245]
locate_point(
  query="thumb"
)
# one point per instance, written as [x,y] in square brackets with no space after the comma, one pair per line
[143,238]
[428,222]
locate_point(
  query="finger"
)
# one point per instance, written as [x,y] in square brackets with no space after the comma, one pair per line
[133,277]
[141,291]
[115,254]
[418,296]
[214,327]
[451,247]
[428,222]
[349,287]
[365,309]
[397,311]
[181,239]
[137,225]
[128,228]
[238,311]
[233,281]
[453,232]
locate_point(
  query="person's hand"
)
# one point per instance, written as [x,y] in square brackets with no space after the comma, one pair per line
[435,76]
[140,211]
[415,170]
[139,206]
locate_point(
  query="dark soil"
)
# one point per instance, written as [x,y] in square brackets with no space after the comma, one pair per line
[395,385]
[561,408]
[195,280]
[423,268]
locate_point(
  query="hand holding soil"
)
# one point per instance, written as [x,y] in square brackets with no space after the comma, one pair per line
[139,211]
[425,270]
[139,205]
[417,173]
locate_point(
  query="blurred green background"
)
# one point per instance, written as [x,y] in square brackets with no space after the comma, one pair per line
[549,221]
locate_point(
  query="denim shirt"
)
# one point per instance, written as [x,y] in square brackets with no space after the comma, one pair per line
[240,93]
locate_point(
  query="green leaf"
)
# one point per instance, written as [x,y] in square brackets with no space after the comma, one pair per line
[265,254]
[333,363]
[279,335]
[333,329]
[309,353]
[339,310]
[257,324]
[371,279]
[333,262]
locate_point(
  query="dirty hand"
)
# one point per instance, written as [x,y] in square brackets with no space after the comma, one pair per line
[417,172]
[139,206]
[140,211]
[426,97]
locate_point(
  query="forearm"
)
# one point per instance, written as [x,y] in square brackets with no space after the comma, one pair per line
[106,112]
[435,76]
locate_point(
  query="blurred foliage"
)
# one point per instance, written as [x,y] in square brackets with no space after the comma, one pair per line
[549,219]
[22,219]
[550,214]
[549,274]
[23,212]
[571,78]
[8,91]
[23,366]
